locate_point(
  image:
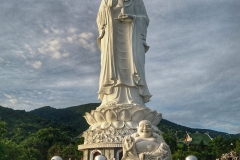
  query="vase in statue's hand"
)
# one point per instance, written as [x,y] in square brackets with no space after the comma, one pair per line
[125,17]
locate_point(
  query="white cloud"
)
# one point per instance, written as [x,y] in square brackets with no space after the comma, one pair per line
[27,102]
[45,31]
[31,51]
[69,39]
[55,46]
[34,64]
[57,31]
[83,42]
[72,30]
[1,60]
[8,96]
[65,54]
[13,101]
[87,42]
[20,54]
[235,128]
[51,47]
[86,35]
[37,64]
[5,105]
[39,104]
[56,54]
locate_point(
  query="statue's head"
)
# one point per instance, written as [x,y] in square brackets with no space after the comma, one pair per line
[145,129]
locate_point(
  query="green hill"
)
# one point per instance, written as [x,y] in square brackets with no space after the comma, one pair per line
[47,131]
[21,124]
[180,131]
[71,120]
[73,116]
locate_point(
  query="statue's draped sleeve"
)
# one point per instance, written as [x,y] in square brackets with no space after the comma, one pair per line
[140,47]
[105,43]
[141,19]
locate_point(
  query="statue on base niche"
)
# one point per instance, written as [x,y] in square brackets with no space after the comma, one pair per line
[122,27]
[145,144]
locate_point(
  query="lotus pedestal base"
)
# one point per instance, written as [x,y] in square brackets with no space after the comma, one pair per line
[108,127]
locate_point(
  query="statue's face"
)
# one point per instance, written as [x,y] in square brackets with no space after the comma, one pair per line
[145,129]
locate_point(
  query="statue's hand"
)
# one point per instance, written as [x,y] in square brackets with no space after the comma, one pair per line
[101,34]
[125,17]
[164,146]
[128,142]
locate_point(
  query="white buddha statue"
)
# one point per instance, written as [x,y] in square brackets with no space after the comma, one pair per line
[122,26]
[145,144]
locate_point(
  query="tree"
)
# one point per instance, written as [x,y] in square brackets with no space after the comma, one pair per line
[179,154]
[34,142]
[12,151]
[55,150]
[46,141]
[71,151]
[171,141]
[2,150]
[52,135]
[219,146]
[2,144]
[31,154]
[237,149]
[2,128]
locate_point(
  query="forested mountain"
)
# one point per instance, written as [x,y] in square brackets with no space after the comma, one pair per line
[71,120]
[47,131]
[24,135]
[21,124]
[180,131]
[73,116]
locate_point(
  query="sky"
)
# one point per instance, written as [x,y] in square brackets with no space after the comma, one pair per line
[49,57]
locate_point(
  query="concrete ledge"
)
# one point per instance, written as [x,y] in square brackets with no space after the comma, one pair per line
[99,145]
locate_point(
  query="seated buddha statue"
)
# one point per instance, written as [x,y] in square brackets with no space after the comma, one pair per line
[145,144]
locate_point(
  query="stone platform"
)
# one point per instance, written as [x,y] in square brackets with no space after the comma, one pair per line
[108,127]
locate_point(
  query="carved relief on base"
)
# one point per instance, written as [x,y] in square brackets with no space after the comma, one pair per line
[110,135]
[109,153]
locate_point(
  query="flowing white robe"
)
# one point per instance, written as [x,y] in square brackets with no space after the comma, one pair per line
[123,47]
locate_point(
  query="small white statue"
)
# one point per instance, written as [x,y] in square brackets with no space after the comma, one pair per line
[100,157]
[145,144]
[56,158]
